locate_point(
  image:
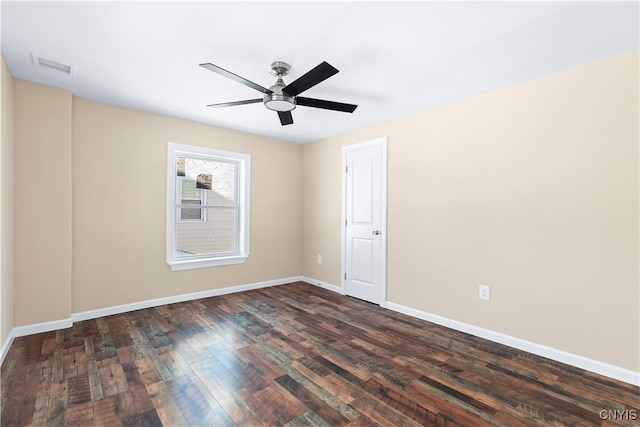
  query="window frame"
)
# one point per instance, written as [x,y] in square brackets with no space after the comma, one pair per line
[242,232]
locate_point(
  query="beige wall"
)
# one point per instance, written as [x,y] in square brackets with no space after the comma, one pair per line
[6,203]
[42,129]
[119,202]
[532,189]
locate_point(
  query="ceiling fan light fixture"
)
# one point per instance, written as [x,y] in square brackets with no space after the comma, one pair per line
[279,102]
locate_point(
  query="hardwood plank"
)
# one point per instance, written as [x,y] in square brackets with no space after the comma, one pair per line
[300,380]
[105,414]
[58,358]
[137,387]
[126,406]
[74,361]
[145,419]
[274,407]
[332,367]
[107,379]
[462,397]
[252,355]
[339,388]
[246,375]
[79,414]
[165,405]
[312,401]
[190,401]
[403,404]
[79,390]
[24,403]
[174,361]
[103,346]
[49,346]
[379,412]
[218,416]
[119,328]
[41,411]
[145,350]
[148,372]
[308,419]
[226,392]
[92,369]
[58,401]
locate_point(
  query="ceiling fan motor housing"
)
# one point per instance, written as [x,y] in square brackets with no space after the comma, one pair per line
[278,100]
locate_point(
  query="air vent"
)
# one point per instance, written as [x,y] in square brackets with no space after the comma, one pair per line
[50,64]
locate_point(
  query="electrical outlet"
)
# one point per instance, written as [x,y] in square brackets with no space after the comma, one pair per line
[484,293]
[319,259]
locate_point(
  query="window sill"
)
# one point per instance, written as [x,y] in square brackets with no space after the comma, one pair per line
[204,263]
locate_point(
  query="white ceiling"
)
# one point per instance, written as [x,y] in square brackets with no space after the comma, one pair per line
[394,58]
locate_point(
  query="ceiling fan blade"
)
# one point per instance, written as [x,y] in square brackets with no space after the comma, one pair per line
[310,79]
[234,103]
[235,77]
[327,105]
[285,118]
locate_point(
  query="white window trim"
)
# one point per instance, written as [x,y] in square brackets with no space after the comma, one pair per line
[244,178]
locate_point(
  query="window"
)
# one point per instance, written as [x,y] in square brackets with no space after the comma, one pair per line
[207,207]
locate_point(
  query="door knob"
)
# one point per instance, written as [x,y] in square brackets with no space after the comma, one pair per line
[376,232]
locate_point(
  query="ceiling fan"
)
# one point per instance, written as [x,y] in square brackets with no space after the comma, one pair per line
[281,97]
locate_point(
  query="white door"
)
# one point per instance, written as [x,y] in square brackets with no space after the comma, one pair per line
[364,206]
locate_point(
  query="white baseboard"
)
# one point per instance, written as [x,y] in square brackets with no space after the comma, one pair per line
[575,360]
[6,345]
[108,311]
[323,285]
[37,328]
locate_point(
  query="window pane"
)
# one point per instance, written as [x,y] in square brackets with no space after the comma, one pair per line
[216,234]
[188,214]
[217,178]
[189,190]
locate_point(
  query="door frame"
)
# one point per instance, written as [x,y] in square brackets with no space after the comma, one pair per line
[382,143]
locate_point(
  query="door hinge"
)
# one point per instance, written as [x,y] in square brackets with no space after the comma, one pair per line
[345,222]
[346,169]
[345,276]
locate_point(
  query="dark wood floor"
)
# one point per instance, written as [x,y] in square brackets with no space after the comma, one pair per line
[292,355]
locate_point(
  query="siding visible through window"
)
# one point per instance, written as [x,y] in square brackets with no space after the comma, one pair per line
[190,195]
